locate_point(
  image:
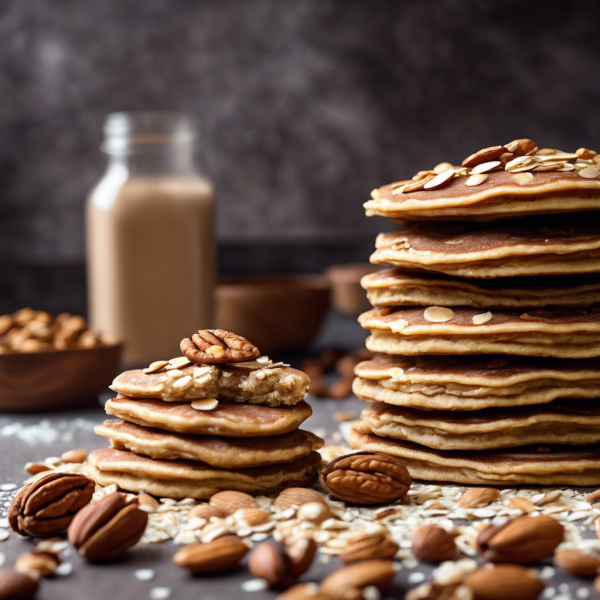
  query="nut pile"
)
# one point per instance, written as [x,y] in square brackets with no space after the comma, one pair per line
[447,525]
[30,330]
[518,157]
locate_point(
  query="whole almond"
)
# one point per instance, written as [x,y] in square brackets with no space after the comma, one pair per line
[17,586]
[304,591]
[432,543]
[252,516]
[315,512]
[522,504]
[296,497]
[212,557]
[44,563]
[267,561]
[206,511]
[478,497]
[74,456]
[504,582]
[35,468]
[577,563]
[230,501]
[376,546]
[106,529]
[366,478]
[301,554]
[147,503]
[344,583]
[523,540]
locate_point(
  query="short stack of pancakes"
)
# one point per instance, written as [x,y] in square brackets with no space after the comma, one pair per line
[191,430]
[487,320]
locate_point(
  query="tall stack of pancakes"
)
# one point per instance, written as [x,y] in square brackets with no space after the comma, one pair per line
[488,322]
[192,430]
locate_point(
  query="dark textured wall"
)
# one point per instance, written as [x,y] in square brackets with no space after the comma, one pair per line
[304,105]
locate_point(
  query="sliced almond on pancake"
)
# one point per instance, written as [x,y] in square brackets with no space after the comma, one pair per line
[438,314]
[156,366]
[440,180]
[482,318]
[205,404]
[476,179]
[417,185]
[484,156]
[590,172]
[252,365]
[179,362]
[522,178]
[485,167]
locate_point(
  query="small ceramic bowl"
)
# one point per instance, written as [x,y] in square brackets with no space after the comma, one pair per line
[58,379]
[274,312]
[347,295]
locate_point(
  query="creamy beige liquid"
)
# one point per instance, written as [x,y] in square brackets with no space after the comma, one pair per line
[151,262]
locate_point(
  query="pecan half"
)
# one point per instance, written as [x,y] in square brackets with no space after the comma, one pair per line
[366,478]
[218,346]
[46,506]
[106,529]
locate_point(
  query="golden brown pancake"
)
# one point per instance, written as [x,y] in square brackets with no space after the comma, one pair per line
[278,386]
[561,422]
[474,382]
[188,479]
[224,452]
[506,250]
[500,196]
[559,333]
[227,419]
[394,287]
[530,465]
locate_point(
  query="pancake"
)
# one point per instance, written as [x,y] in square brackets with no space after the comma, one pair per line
[227,419]
[278,386]
[474,382]
[394,287]
[560,333]
[560,422]
[187,479]
[507,250]
[228,453]
[500,196]
[530,465]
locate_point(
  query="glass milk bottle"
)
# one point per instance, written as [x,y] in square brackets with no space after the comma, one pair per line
[150,237]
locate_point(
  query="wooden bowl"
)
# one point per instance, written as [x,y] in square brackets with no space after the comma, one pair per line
[347,295]
[39,381]
[274,312]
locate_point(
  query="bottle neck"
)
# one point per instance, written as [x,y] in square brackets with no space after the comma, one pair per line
[160,160]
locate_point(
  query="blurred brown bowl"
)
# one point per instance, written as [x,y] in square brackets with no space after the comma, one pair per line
[58,379]
[347,295]
[274,312]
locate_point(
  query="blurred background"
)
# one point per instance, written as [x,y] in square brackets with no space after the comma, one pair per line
[302,107]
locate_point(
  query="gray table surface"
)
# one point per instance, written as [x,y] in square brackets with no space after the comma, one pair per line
[33,437]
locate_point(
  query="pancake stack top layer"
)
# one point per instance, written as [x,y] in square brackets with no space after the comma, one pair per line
[187,428]
[488,329]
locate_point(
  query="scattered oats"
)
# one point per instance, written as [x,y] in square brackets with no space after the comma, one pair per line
[64,569]
[563,588]
[4,534]
[168,501]
[410,563]
[416,577]
[258,537]
[144,574]
[9,487]
[2,559]
[371,593]
[4,523]
[547,572]
[578,515]
[255,585]
[583,593]
[159,593]
[549,592]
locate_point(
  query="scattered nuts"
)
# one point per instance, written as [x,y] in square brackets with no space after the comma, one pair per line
[212,557]
[46,506]
[476,179]
[205,404]
[106,529]
[376,546]
[267,561]
[315,512]
[74,456]
[482,318]
[478,496]
[432,543]
[44,563]
[366,478]
[207,511]
[522,178]
[522,504]
[147,502]
[17,586]
[484,156]
[344,583]
[440,180]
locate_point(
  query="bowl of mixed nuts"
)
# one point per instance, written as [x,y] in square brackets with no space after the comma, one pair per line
[49,362]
